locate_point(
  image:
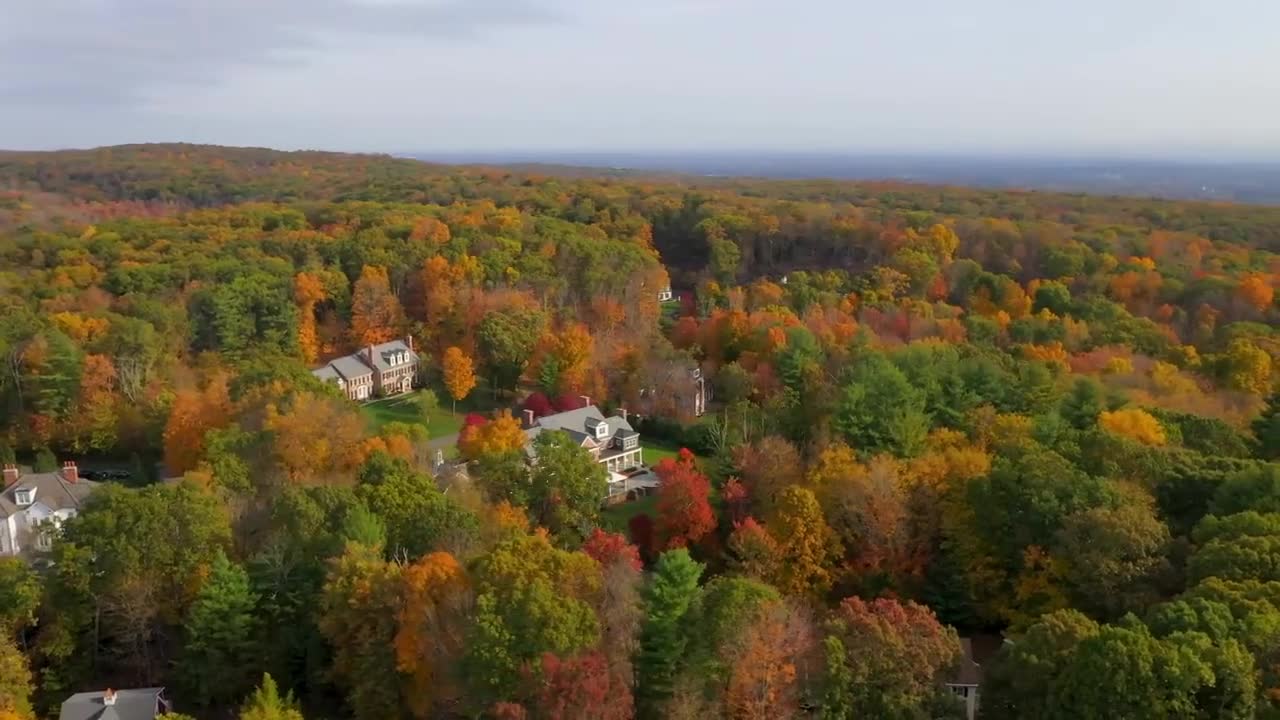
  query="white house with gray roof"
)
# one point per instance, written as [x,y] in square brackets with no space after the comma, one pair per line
[610,440]
[385,369]
[34,505]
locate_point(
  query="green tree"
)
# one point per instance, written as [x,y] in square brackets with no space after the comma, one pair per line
[664,634]
[1266,429]
[725,607]
[507,339]
[879,409]
[1244,546]
[218,658]
[19,596]
[46,461]
[531,598]
[126,571]
[1019,679]
[358,615]
[1084,403]
[418,517]
[1112,558]
[837,681]
[566,484]
[266,703]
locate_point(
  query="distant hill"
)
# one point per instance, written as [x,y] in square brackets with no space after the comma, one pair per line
[1236,182]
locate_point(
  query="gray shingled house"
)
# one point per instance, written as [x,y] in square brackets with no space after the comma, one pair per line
[388,368]
[33,505]
[610,440]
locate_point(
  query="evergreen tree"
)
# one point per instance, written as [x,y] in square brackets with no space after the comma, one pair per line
[220,636]
[267,704]
[46,461]
[664,635]
[1266,429]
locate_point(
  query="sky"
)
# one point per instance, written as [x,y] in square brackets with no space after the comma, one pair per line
[1137,78]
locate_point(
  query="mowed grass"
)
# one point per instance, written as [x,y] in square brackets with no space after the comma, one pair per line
[404,409]
[616,517]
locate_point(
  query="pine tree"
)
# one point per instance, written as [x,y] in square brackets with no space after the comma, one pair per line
[1266,429]
[220,635]
[267,704]
[663,636]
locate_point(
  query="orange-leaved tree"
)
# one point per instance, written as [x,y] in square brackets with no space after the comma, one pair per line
[376,315]
[308,290]
[431,636]
[500,435]
[459,374]
[194,413]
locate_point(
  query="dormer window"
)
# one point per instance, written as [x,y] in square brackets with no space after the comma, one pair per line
[602,431]
[24,496]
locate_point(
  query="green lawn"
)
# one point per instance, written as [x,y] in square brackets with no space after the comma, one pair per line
[615,517]
[655,451]
[404,409]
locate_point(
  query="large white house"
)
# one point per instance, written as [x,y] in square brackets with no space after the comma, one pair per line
[34,505]
[388,368]
[610,440]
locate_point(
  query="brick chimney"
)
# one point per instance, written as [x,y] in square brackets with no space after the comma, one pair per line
[70,473]
[528,418]
[586,399]
[108,697]
[623,413]
[11,475]
[368,356]
[408,340]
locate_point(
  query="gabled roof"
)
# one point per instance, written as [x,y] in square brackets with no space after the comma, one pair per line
[579,420]
[52,491]
[137,704]
[383,353]
[355,365]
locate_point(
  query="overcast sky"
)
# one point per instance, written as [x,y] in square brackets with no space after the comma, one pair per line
[1134,77]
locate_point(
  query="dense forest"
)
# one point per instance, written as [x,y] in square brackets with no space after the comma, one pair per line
[938,413]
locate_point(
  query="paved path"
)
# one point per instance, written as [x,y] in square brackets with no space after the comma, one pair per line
[444,442]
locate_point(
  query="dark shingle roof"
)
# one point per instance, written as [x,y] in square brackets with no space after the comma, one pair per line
[140,704]
[51,491]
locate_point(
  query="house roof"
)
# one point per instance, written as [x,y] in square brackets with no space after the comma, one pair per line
[52,491]
[349,367]
[139,704]
[383,353]
[580,424]
[581,419]
[968,672]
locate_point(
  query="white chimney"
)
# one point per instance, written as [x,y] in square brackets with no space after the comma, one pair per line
[586,399]
[623,413]
[528,418]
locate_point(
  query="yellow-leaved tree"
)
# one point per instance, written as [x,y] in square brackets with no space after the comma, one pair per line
[1135,424]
